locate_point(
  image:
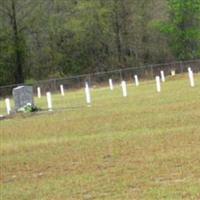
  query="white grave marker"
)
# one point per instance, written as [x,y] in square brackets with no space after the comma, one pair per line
[173,72]
[49,101]
[62,90]
[136,80]
[162,76]
[111,84]
[189,69]
[39,92]
[87,93]
[158,85]
[8,107]
[124,88]
[191,77]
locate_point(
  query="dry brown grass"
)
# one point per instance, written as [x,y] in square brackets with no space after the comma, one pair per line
[146,146]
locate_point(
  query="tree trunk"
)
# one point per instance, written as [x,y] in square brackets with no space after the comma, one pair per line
[18,72]
[118,38]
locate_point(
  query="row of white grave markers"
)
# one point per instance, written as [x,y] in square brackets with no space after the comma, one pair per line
[112,86]
[88,94]
[158,81]
[49,98]
[62,91]
[49,103]
[124,86]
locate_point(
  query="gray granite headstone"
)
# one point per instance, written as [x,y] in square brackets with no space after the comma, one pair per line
[22,96]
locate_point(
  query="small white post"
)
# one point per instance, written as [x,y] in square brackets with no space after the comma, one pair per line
[49,101]
[162,76]
[8,107]
[62,90]
[189,69]
[39,92]
[136,80]
[124,89]
[87,93]
[111,84]
[191,77]
[173,72]
[158,86]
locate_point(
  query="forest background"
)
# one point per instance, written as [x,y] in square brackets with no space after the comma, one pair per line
[41,39]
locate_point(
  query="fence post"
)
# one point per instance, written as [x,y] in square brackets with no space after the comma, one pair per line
[181,67]
[121,77]
[152,72]
[90,80]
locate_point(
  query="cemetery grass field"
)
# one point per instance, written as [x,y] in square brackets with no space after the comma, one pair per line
[145,146]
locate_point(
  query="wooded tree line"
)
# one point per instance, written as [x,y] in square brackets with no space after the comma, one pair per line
[53,38]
